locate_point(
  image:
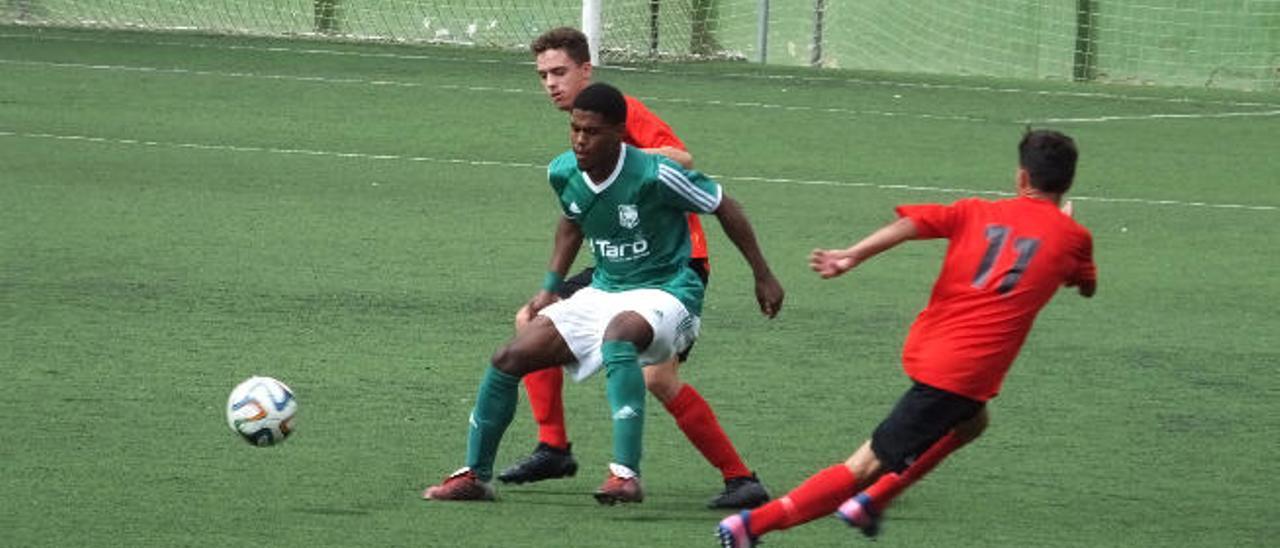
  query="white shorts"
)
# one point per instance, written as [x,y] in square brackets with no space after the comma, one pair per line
[582,319]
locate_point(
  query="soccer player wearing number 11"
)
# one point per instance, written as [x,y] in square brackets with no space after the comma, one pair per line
[1005,260]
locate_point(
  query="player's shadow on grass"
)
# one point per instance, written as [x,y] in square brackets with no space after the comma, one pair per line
[667,516]
[332,511]
[655,508]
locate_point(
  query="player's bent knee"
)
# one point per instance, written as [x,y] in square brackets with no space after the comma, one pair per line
[632,327]
[515,358]
[537,346]
[506,359]
[864,464]
[663,381]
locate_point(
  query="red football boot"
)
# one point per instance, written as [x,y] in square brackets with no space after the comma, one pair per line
[462,485]
[617,489]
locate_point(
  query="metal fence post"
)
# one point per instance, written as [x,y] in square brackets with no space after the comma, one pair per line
[1086,46]
[819,10]
[654,8]
[326,12]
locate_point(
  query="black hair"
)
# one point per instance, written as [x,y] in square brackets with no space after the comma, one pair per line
[1049,158]
[602,99]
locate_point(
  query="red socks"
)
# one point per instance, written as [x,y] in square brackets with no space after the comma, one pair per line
[699,424]
[548,406]
[891,485]
[694,417]
[818,496]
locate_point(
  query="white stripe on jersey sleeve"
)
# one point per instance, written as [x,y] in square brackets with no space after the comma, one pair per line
[679,187]
[676,180]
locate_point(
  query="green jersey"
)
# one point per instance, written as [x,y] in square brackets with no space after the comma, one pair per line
[636,221]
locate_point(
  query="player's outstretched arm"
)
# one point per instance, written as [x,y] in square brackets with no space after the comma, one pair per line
[830,263]
[679,156]
[567,242]
[1086,280]
[1087,287]
[733,220]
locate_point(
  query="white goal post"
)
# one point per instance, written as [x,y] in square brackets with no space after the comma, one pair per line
[593,27]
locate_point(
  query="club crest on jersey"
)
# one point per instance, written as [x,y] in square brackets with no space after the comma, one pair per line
[628,215]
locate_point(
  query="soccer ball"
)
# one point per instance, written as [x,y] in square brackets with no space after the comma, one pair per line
[261,410]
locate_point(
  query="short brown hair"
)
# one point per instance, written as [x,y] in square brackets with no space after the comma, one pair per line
[571,40]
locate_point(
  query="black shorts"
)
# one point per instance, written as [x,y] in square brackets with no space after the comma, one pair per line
[576,282]
[583,279]
[921,417]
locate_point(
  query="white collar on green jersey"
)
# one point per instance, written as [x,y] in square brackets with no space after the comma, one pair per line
[622,159]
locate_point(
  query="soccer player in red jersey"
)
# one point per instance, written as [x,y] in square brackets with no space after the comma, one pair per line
[1005,260]
[563,63]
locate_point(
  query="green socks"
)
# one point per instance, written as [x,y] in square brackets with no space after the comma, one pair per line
[495,407]
[624,385]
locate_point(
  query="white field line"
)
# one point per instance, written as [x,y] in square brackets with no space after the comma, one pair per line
[742,75]
[748,105]
[541,167]
[1173,116]
[456,87]
[269,150]
[271,49]
[1010,90]
[256,75]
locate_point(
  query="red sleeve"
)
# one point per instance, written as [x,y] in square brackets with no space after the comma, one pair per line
[1087,271]
[646,130]
[931,220]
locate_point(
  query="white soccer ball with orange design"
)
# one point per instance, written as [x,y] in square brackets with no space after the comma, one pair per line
[261,410]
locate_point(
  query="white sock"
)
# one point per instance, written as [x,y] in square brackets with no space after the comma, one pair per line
[622,471]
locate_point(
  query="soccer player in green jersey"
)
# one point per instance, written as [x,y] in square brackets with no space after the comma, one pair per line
[562,58]
[644,302]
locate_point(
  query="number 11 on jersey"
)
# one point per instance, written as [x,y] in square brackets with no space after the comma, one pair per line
[996,237]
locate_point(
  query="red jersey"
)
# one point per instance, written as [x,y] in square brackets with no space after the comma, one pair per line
[1005,260]
[646,130]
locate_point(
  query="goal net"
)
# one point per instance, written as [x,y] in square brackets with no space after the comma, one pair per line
[631,28]
[1210,43]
